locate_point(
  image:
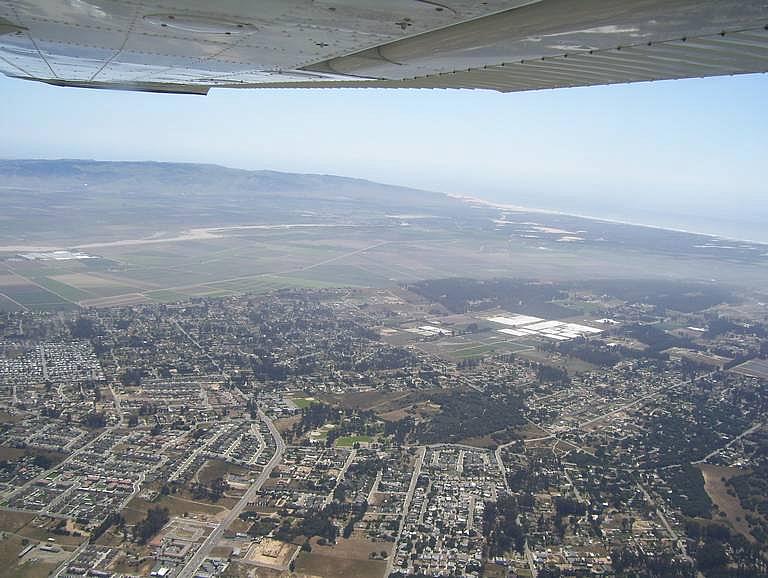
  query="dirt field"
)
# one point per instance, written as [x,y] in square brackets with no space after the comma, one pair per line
[5,417]
[479,442]
[418,409]
[333,567]
[735,515]
[569,364]
[285,423]
[14,521]
[530,431]
[12,454]
[347,558]
[177,506]
[243,570]
[10,566]
[494,571]
[33,528]
[271,554]
[213,469]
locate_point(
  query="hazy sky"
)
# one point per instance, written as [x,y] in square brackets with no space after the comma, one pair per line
[692,146]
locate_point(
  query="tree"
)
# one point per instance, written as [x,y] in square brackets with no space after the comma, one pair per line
[82,328]
[156,518]
[95,420]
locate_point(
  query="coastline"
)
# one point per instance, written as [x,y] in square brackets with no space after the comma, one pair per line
[521,209]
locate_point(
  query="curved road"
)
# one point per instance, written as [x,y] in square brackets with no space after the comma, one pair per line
[189,569]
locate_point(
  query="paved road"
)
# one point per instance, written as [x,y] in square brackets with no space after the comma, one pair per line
[406,505]
[118,406]
[643,398]
[531,563]
[340,478]
[675,537]
[57,467]
[745,433]
[188,571]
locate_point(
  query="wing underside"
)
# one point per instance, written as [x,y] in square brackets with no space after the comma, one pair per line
[191,46]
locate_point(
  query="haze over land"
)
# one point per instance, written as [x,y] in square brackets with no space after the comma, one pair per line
[170,231]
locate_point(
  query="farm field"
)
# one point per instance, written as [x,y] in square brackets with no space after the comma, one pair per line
[753,368]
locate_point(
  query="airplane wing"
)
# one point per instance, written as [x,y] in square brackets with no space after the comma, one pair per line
[190,46]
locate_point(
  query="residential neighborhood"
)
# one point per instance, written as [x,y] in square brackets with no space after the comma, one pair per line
[381,433]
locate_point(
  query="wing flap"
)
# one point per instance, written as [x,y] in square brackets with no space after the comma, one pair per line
[502,45]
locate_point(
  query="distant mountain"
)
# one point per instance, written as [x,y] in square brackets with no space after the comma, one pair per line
[105,199]
[201,180]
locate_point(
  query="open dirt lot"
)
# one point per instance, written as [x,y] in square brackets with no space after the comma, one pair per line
[347,558]
[271,554]
[715,487]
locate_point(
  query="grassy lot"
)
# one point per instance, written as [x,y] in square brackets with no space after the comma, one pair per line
[303,402]
[349,441]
